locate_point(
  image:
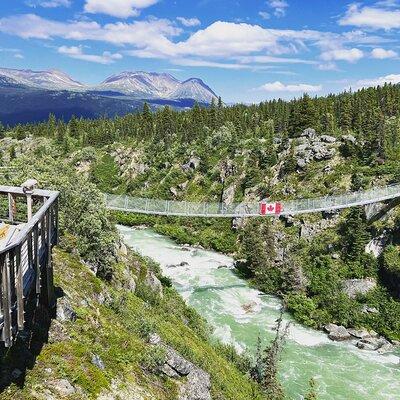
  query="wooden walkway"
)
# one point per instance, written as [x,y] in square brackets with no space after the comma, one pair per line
[25,256]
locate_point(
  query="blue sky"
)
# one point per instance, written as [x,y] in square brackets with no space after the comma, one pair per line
[247,51]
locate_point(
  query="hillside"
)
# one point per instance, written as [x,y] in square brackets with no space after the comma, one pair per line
[121,330]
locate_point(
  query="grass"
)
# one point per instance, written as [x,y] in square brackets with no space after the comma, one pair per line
[117,332]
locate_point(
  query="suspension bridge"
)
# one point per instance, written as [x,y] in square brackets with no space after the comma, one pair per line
[266,208]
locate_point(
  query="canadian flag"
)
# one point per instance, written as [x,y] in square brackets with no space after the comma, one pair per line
[270,208]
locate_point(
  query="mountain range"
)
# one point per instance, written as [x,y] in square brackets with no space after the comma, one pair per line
[30,96]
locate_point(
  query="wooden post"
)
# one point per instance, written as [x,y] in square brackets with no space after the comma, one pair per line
[49,267]
[56,222]
[19,283]
[6,300]
[36,260]
[12,207]
[29,205]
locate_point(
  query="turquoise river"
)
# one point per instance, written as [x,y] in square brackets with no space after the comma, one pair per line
[239,314]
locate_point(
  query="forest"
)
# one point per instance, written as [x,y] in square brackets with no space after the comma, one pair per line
[248,153]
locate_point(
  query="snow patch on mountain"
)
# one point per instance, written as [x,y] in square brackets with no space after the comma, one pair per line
[194,88]
[50,80]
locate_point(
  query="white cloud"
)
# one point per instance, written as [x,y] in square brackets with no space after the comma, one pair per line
[293,88]
[138,33]
[279,7]
[118,8]
[48,3]
[393,78]
[372,17]
[349,55]
[381,54]
[19,56]
[272,60]
[77,53]
[329,66]
[221,44]
[189,22]
[264,15]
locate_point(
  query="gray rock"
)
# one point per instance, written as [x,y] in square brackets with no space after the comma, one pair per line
[197,386]
[154,339]
[183,185]
[229,194]
[153,283]
[328,139]
[309,132]
[97,361]
[369,310]
[197,383]
[374,343]
[169,371]
[386,348]
[63,387]
[192,164]
[177,362]
[302,163]
[354,287]
[337,333]
[376,245]
[359,333]
[173,191]
[65,312]
[349,138]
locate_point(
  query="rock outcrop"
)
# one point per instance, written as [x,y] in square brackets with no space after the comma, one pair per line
[354,287]
[197,383]
[311,147]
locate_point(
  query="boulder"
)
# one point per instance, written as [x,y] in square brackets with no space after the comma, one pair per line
[64,311]
[153,283]
[192,164]
[197,383]
[354,287]
[375,343]
[309,133]
[302,163]
[97,361]
[63,387]
[173,191]
[369,310]
[359,333]
[337,333]
[328,139]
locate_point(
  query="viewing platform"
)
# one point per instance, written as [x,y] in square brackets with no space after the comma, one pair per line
[28,231]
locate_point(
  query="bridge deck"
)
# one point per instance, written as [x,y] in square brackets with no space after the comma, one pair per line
[291,207]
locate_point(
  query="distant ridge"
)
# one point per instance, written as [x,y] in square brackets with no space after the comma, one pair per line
[30,96]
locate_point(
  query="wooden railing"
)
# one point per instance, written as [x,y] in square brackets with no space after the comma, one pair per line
[25,262]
